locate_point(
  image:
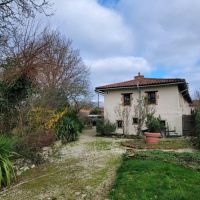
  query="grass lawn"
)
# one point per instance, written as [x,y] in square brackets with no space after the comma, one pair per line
[99,145]
[162,177]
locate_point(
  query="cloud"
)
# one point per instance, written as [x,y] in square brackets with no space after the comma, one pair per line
[165,30]
[167,34]
[118,38]
[190,73]
[98,31]
[116,69]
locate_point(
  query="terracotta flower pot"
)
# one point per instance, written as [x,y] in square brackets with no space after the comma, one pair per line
[152,138]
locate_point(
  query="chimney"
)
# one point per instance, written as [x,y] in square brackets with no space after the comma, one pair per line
[139,76]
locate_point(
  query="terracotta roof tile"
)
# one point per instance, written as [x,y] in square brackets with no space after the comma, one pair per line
[140,80]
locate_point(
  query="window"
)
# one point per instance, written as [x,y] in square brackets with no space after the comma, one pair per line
[127,99]
[151,97]
[119,124]
[135,120]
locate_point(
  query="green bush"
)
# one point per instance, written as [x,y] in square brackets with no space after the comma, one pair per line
[68,127]
[153,124]
[12,93]
[7,173]
[197,126]
[105,127]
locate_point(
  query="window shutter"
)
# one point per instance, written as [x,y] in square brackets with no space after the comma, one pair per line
[122,99]
[146,98]
[157,97]
[131,99]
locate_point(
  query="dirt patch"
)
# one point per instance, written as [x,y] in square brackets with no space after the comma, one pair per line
[164,144]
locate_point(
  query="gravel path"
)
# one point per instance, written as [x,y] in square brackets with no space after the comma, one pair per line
[81,170]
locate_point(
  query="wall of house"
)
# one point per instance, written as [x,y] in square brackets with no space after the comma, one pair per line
[185,107]
[170,107]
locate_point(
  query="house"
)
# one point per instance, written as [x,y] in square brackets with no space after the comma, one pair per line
[169,98]
[85,112]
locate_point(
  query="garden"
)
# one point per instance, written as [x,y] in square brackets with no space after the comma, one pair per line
[165,170]
[105,167]
[43,85]
[45,150]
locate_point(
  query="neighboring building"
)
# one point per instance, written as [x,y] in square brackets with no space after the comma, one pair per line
[85,112]
[88,117]
[169,97]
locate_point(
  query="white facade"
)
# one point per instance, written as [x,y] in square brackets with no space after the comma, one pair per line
[170,106]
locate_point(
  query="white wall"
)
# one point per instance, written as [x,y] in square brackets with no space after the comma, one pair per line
[170,106]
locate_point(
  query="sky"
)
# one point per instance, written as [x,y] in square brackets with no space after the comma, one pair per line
[119,38]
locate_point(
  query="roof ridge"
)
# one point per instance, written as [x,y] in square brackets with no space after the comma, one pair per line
[164,78]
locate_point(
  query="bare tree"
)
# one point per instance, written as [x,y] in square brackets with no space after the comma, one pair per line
[22,55]
[49,61]
[64,69]
[142,110]
[196,101]
[13,13]
[123,113]
[46,60]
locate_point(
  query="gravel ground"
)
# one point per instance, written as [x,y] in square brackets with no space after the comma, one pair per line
[81,170]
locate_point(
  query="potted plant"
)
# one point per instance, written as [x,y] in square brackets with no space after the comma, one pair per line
[154,127]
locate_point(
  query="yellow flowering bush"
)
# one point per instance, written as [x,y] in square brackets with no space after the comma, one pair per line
[39,116]
[54,119]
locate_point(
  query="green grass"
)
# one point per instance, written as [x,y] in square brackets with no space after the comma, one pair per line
[156,175]
[99,145]
[186,159]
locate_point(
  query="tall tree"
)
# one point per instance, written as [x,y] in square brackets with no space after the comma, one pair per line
[49,61]
[44,61]
[64,69]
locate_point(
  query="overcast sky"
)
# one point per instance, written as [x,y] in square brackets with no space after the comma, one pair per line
[119,38]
